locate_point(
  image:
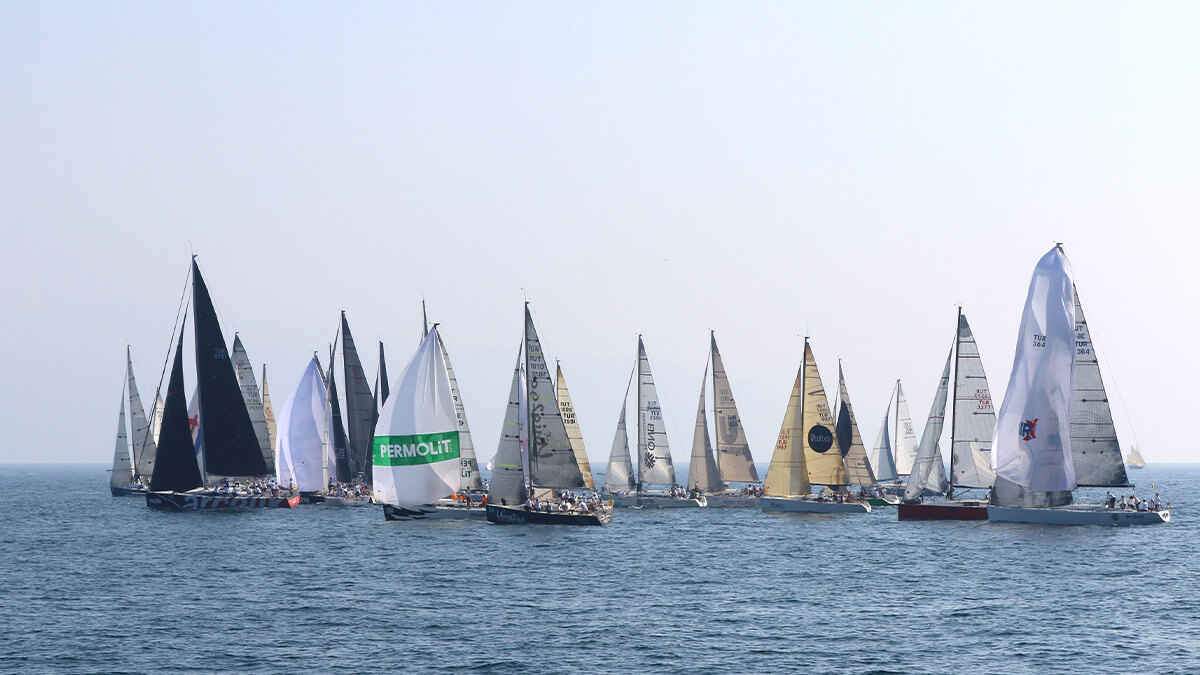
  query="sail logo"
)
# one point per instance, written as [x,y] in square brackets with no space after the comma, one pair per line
[415,450]
[649,459]
[820,439]
[1028,429]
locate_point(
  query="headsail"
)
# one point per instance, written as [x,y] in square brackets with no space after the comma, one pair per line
[928,471]
[654,454]
[360,407]
[551,458]
[974,419]
[336,446]
[1094,446]
[881,457]
[156,417]
[849,440]
[415,453]
[254,405]
[230,446]
[787,475]
[906,435]
[300,455]
[702,470]
[507,486]
[824,467]
[1032,444]
[144,445]
[383,378]
[122,468]
[618,477]
[469,476]
[175,467]
[269,414]
[573,434]
[733,451]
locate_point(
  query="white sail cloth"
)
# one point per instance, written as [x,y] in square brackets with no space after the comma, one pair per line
[881,459]
[415,455]
[618,477]
[654,454]
[122,468]
[299,450]
[928,471]
[1032,445]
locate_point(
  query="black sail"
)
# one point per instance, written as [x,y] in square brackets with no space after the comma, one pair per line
[230,446]
[175,467]
[360,406]
[337,434]
[383,381]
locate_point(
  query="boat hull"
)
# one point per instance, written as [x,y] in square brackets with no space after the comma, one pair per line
[183,501]
[343,501]
[792,505]
[943,511]
[127,490]
[517,515]
[432,512]
[1076,516]
[654,501]
[312,498]
[731,501]
[882,501]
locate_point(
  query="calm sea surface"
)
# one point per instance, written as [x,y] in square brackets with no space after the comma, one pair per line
[93,583]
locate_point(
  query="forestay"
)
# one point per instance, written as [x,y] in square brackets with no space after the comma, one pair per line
[974,420]
[702,470]
[1094,446]
[849,440]
[416,448]
[928,471]
[573,433]
[299,452]
[733,451]
[551,458]
[507,486]
[654,454]
[787,474]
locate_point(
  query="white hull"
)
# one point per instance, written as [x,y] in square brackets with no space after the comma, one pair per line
[1076,516]
[657,501]
[802,505]
[732,501]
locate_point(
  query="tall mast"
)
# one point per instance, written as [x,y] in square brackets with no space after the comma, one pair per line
[532,433]
[954,405]
[804,395]
[896,426]
[712,342]
[639,409]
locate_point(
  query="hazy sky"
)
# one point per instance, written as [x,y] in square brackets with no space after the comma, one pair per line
[846,170]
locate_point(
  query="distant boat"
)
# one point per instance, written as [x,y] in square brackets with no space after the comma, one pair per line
[549,464]
[654,466]
[121,480]
[1034,460]
[1135,461]
[802,456]
[231,447]
[140,443]
[619,475]
[734,463]
[889,463]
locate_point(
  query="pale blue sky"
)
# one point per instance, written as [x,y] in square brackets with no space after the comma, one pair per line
[851,170]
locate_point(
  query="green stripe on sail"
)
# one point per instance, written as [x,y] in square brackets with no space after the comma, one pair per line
[415,450]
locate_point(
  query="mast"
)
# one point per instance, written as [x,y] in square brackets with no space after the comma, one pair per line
[641,432]
[954,405]
[897,426]
[531,434]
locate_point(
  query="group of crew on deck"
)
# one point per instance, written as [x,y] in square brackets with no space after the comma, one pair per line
[1133,503]
[567,502]
[254,487]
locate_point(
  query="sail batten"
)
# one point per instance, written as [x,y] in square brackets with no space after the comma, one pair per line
[732,449]
[1095,450]
[974,420]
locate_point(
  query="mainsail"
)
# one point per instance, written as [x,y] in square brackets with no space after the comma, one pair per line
[824,467]
[336,453]
[906,435]
[788,473]
[122,468]
[507,486]
[300,455]
[618,477]
[551,457]
[881,457]
[733,452]
[849,440]
[416,448]
[469,475]
[702,471]
[1032,445]
[928,471]
[144,444]
[973,420]
[654,454]
[268,414]
[360,407]
[230,446]
[573,434]
[254,405]
[1094,446]
[175,467]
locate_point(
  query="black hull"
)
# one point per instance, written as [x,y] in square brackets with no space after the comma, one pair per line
[517,515]
[183,501]
[126,491]
[311,498]
[431,512]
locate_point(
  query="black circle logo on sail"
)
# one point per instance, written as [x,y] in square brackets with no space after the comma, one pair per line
[820,439]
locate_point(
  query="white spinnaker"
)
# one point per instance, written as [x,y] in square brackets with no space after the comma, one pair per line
[469,478]
[881,457]
[974,418]
[1095,450]
[906,435]
[144,446]
[618,477]
[252,398]
[654,454]
[122,468]
[507,486]
[300,449]
[416,450]
[787,475]
[928,471]
[1032,445]
[573,433]
[702,470]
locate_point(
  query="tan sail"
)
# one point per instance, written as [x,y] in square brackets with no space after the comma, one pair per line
[733,452]
[1135,460]
[573,433]
[788,474]
[267,412]
[820,451]
[849,441]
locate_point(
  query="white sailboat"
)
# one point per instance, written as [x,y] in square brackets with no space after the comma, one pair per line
[802,456]
[1135,461]
[619,476]
[299,451]
[735,464]
[120,483]
[1032,452]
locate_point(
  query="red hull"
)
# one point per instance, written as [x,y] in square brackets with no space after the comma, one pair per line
[944,511]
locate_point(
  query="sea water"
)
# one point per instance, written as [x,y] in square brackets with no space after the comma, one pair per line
[93,583]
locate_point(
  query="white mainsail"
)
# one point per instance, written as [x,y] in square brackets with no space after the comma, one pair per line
[250,395]
[1032,444]
[928,471]
[416,449]
[551,457]
[618,477]
[732,450]
[1095,450]
[849,440]
[881,456]
[787,475]
[507,486]
[906,435]
[469,477]
[702,470]
[144,446]
[573,433]
[156,416]
[824,467]
[654,454]
[299,450]
[122,468]
[974,419]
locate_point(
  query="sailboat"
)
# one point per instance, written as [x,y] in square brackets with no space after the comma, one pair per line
[886,461]
[418,443]
[230,445]
[1135,461]
[734,463]
[121,482]
[654,466]
[547,472]
[619,475]
[1034,453]
[972,425]
[141,446]
[353,426]
[802,456]
[299,451]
